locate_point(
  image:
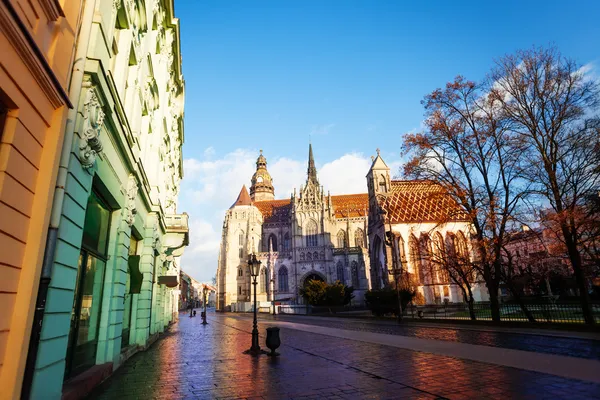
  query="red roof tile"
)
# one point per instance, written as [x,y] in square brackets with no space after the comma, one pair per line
[243,198]
[274,210]
[421,201]
[353,205]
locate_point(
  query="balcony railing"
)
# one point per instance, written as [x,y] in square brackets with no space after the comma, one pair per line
[177,222]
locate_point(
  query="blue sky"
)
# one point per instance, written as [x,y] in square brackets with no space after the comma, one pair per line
[351,74]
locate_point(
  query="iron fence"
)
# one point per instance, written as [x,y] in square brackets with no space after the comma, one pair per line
[509,312]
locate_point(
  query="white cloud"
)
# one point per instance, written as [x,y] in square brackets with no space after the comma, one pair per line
[346,175]
[211,186]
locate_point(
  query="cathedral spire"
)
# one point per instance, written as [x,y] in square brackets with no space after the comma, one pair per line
[312,171]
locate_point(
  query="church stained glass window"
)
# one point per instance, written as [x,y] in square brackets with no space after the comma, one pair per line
[359,238]
[354,272]
[340,272]
[311,234]
[283,279]
[341,239]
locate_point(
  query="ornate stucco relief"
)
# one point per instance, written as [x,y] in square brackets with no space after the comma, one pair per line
[130,210]
[93,115]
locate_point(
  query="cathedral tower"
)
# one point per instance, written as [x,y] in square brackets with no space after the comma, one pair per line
[262,183]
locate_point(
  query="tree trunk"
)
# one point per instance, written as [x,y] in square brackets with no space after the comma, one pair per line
[576,263]
[524,308]
[492,287]
[471,302]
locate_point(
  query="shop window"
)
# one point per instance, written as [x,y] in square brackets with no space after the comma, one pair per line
[86,311]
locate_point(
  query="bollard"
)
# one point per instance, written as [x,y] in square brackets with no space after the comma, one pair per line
[273,341]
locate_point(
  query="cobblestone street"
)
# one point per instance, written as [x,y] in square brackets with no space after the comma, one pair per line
[192,361]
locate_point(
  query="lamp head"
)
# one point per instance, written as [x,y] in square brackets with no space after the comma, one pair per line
[254,265]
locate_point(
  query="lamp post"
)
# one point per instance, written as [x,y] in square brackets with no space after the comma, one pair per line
[254,265]
[204,292]
[396,266]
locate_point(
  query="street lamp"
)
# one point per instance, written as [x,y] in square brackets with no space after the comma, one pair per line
[204,292]
[396,266]
[254,265]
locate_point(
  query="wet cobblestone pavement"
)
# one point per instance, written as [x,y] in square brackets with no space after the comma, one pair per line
[572,347]
[192,361]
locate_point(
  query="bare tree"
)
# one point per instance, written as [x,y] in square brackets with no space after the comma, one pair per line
[452,264]
[467,148]
[549,102]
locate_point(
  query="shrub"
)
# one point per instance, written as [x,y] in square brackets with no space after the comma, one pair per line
[319,293]
[385,301]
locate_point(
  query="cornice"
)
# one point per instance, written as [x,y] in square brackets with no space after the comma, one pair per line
[52,9]
[31,55]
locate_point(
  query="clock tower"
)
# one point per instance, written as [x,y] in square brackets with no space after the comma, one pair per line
[262,183]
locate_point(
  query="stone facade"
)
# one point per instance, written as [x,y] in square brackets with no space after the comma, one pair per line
[310,235]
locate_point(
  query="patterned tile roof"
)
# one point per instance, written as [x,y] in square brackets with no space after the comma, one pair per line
[274,210]
[353,205]
[420,201]
[279,210]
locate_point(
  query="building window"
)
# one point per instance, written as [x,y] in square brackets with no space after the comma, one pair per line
[359,238]
[286,242]
[241,252]
[87,304]
[382,185]
[311,234]
[239,290]
[240,272]
[354,271]
[341,239]
[283,279]
[241,239]
[315,256]
[340,272]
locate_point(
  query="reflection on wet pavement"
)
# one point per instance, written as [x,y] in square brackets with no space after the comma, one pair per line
[206,362]
[582,348]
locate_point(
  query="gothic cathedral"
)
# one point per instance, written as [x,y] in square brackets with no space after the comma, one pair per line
[311,235]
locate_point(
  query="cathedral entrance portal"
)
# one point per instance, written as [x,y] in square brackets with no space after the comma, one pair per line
[313,276]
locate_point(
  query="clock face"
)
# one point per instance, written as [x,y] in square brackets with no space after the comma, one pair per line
[259,179]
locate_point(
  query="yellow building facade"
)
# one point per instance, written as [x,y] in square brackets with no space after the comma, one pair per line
[36,53]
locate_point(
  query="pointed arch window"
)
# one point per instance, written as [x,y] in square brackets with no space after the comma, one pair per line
[340,272]
[286,242]
[354,273]
[282,278]
[311,234]
[359,238]
[440,258]
[382,184]
[415,258]
[341,239]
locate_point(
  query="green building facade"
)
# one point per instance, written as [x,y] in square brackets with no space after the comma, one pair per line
[114,265]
